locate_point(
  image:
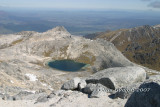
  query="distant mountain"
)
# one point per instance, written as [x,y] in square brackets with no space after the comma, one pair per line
[140,44]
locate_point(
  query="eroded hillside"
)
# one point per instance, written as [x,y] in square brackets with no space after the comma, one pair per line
[140,44]
[24,56]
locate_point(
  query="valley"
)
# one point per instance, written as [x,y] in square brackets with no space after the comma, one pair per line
[27,80]
[77,22]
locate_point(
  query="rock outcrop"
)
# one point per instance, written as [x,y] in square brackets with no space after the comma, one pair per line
[139,44]
[118,77]
[71,84]
[25,76]
[23,54]
[148,95]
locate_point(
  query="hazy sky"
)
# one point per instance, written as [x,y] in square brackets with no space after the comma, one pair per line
[84,4]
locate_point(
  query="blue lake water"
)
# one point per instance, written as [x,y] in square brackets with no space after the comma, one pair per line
[66,65]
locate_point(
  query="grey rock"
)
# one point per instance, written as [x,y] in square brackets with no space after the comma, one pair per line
[34,96]
[21,95]
[98,92]
[71,84]
[6,97]
[42,99]
[16,98]
[126,92]
[53,94]
[154,77]
[82,84]
[11,98]
[24,93]
[52,105]
[96,89]
[1,95]
[89,88]
[150,97]
[118,77]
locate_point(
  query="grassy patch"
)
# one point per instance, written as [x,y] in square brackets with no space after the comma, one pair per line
[38,63]
[138,46]
[47,53]
[85,46]
[17,41]
[64,50]
[87,58]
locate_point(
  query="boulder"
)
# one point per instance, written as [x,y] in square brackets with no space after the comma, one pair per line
[23,94]
[42,99]
[89,88]
[127,91]
[96,90]
[51,95]
[5,96]
[99,91]
[29,96]
[148,95]
[71,84]
[82,84]
[118,77]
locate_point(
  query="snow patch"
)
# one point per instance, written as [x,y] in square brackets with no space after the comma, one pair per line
[11,81]
[30,91]
[44,84]
[32,77]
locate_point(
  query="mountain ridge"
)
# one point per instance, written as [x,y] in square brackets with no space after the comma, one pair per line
[28,52]
[27,80]
[139,44]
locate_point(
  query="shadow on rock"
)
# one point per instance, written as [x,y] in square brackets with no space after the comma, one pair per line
[148,95]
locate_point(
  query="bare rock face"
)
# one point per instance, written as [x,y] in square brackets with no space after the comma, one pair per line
[24,55]
[94,87]
[75,83]
[140,44]
[127,91]
[99,92]
[114,78]
[155,77]
[82,84]
[23,70]
[148,95]
[71,84]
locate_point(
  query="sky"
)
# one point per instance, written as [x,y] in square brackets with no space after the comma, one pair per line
[83,4]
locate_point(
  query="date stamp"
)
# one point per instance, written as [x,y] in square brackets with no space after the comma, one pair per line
[133,90]
[125,90]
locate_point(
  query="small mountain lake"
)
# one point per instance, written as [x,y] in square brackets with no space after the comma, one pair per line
[66,65]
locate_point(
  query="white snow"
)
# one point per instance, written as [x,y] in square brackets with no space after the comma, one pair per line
[32,77]
[44,84]
[30,91]
[11,81]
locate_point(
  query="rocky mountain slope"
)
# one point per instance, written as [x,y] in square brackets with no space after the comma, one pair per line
[140,44]
[26,79]
[24,57]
